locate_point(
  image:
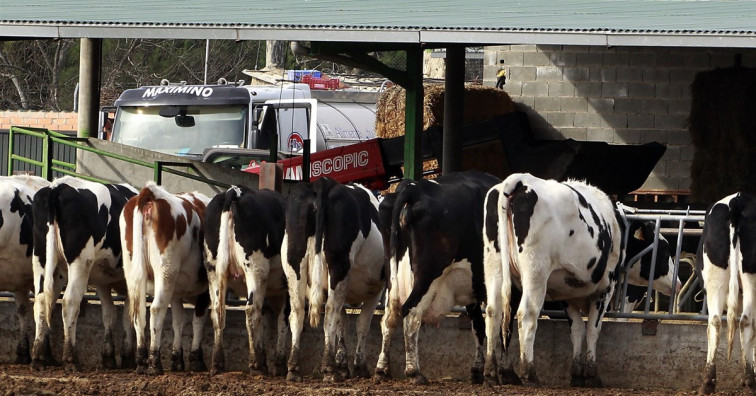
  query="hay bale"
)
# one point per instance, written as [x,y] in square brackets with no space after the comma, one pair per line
[481,103]
[722,125]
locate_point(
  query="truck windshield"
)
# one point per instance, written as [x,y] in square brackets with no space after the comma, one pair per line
[196,128]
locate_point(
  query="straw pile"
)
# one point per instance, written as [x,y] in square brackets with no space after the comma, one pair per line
[722,125]
[481,103]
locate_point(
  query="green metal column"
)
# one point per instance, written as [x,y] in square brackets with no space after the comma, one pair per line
[454,105]
[90,59]
[413,116]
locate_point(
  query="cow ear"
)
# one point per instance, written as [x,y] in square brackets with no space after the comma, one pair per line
[636,230]
[639,234]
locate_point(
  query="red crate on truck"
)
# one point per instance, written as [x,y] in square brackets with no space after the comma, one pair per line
[320,83]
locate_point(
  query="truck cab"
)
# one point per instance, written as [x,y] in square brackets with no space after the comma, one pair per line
[233,123]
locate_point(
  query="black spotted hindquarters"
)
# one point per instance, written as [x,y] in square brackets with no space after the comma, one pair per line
[322,188]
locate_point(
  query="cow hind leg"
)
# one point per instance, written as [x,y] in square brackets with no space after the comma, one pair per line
[479,334]
[383,366]
[412,323]
[256,278]
[278,306]
[747,327]
[297,290]
[41,349]
[716,281]
[218,318]
[78,276]
[107,355]
[177,352]
[363,327]
[23,312]
[341,358]
[577,335]
[332,318]
[593,329]
[158,310]
[534,292]
[196,357]
[128,360]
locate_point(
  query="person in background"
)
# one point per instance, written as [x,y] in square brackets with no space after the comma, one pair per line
[501,75]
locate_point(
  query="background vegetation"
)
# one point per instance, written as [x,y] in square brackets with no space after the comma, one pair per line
[43,74]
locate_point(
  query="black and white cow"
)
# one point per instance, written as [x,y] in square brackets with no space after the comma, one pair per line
[333,243]
[244,229]
[553,241]
[436,262]
[16,222]
[76,244]
[638,269]
[726,259]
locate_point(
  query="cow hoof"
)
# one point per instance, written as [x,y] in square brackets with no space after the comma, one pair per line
[155,370]
[381,375]
[255,372]
[141,369]
[128,362]
[293,377]
[707,388]
[23,355]
[593,382]
[361,371]
[177,361]
[417,379]
[279,369]
[577,381]
[71,367]
[491,379]
[22,359]
[197,361]
[509,377]
[108,362]
[476,376]
[333,377]
[529,377]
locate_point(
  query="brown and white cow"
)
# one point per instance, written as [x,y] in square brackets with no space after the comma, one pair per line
[16,222]
[162,236]
[77,243]
[243,233]
[333,243]
[726,259]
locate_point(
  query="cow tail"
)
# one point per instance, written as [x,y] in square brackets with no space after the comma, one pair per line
[508,258]
[734,286]
[225,256]
[51,257]
[137,288]
[317,286]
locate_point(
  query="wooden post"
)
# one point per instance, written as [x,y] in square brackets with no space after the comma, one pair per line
[271,176]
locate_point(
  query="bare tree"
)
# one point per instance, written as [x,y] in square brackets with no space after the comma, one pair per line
[275,54]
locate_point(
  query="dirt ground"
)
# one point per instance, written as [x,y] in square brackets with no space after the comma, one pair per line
[21,380]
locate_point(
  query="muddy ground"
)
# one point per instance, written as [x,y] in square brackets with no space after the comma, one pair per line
[21,380]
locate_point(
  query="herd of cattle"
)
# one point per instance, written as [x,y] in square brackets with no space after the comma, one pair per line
[502,248]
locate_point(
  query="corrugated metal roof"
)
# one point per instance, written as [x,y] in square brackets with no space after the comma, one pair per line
[716,22]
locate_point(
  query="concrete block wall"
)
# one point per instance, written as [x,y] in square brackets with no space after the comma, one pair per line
[620,95]
[56,121]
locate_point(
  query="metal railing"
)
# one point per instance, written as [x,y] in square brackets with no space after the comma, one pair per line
[49,164]
[676,300]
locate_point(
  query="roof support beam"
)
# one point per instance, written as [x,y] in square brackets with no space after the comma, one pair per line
[454,105]
[413,116]
[90,60]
